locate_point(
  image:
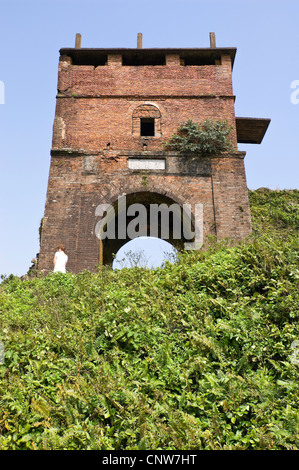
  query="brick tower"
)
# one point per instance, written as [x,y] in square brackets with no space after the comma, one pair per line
[114,110]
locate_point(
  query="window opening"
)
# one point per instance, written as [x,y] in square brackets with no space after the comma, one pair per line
[140,59]
[147,127]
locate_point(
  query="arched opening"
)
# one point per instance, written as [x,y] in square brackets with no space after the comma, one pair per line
[146,121]
[145,252]
[142,214]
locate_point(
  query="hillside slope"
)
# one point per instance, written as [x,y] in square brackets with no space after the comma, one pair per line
[201,354]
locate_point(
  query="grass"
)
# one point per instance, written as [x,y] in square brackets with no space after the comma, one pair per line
[198,355]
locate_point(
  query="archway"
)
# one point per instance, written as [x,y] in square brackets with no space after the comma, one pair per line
[142,214]
[145,252]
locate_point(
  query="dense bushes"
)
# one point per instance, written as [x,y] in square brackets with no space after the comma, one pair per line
[197,355]
[209,138]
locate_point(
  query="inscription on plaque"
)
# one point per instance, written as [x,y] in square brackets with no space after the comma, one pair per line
[146,164]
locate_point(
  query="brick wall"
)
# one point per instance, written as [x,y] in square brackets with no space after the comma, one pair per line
[96,131]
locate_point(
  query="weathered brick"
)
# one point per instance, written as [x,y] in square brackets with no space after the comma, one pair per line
[97,129]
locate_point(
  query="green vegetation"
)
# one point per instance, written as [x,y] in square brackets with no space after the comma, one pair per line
[198,355]
[209,138]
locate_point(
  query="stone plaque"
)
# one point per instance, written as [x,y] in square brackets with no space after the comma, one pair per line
[146,164]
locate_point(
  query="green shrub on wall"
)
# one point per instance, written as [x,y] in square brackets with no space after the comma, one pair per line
[209,138]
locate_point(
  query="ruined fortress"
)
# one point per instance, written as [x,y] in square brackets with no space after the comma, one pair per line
[114,109]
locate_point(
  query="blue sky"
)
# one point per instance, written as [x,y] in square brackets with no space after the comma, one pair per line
[265,33]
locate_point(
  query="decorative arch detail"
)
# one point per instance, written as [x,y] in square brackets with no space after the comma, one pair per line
[146,111]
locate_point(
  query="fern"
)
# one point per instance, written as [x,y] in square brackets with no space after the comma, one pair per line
[197,355]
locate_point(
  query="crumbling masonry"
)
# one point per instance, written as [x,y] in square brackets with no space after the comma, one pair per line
[114,110]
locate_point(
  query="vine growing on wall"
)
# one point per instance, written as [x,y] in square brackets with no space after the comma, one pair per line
[208,138]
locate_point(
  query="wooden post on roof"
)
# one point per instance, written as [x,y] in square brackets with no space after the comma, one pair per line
[139,41]
[212,40]
[78,41]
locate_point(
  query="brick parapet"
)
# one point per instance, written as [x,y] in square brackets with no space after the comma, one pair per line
[152,80]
